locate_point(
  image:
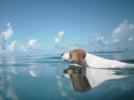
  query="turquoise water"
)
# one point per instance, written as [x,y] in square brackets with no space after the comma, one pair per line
[43,78]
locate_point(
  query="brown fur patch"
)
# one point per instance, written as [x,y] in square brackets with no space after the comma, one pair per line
[77,55]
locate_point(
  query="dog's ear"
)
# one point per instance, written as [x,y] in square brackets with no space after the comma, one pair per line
[81,55]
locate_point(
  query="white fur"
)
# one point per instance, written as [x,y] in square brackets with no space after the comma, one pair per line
[99,62]
[66,56]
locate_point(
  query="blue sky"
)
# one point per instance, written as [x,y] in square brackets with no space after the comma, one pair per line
[83,23]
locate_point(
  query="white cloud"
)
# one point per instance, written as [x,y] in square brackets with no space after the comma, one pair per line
[33,43]
[124,31]
[56,40]
[123,36]
[61,34]
[16,48]
[131,39]
[13,46]
[100,39]
[23,48]
[59,38]
[31,46]
[116,40]
[9,31]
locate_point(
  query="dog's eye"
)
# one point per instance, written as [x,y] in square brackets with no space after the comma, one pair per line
[70,55]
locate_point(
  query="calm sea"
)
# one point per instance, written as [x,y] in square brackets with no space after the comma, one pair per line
[45,77]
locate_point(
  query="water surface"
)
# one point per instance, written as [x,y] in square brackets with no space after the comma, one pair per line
[44,78]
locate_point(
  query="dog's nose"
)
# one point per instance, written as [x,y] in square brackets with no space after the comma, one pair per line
[62,54]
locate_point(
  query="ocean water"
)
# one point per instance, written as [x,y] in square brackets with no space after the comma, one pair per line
[48,77]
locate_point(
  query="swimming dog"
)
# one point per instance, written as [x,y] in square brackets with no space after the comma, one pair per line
[79,56]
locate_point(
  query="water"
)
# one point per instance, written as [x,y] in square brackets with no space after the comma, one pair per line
[47,77]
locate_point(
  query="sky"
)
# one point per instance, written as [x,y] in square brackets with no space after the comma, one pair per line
[59,25]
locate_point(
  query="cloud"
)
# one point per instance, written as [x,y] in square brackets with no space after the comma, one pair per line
[61,34]
[16,47]
[33,43]
[5,36]
[23,48]
[98,42]
[58,38]
[123,35]
[123,32]
[9,32]
[13,46]
[131,39]
[100,39]
[31,47]
[116,40]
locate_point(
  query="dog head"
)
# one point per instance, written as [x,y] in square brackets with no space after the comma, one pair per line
[75,56]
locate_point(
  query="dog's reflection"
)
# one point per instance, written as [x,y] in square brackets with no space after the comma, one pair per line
[78,78]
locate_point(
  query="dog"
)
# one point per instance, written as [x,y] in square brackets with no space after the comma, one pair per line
[81,57]
[98,69]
